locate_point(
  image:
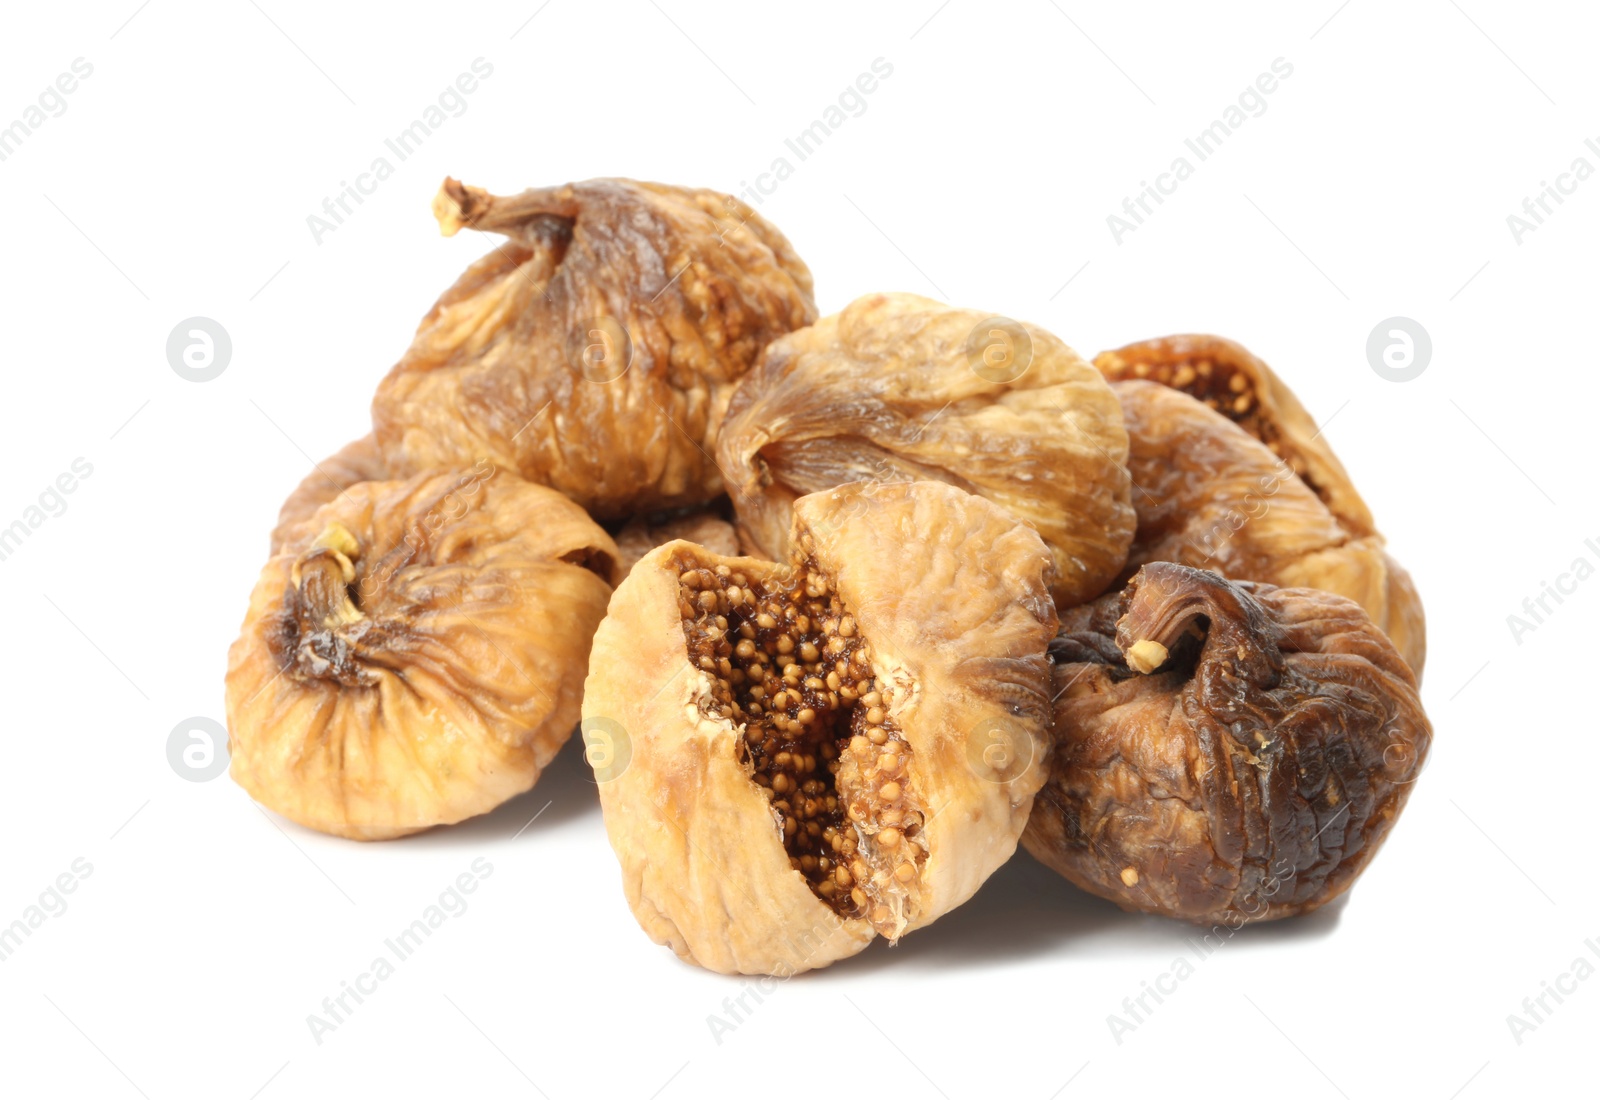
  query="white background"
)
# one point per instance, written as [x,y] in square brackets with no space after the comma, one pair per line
[1377,183]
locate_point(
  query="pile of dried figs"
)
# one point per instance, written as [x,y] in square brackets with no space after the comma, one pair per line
[845,607]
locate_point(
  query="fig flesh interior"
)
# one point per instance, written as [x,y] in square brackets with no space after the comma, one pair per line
[791,670]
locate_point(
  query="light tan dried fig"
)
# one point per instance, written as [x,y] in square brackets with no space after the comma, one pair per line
[902,388]
[595,350]
[413,654]
[355,462]
[795,758]
[702,526]
[1225,752]
[1211,496]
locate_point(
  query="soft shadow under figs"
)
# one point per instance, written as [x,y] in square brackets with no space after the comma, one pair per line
[1025,910]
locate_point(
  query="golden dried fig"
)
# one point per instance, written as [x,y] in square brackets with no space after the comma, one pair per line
[702,526]
[1226,378]
[594,352]
[903,388]
[413,654]
[358,461]
[1224,751]
[795,758]
[1209,495]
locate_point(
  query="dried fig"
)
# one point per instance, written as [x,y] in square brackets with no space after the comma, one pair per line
[412,655]
[1226,378]
[898,388]
[796,758]
[595,351]
[358,461]
[1209,495]
[1224,751]
[703,526]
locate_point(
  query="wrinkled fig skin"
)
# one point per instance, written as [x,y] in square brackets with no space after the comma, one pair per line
[356,462]
[701,526]
[595,350]
[1251,774]
[886,391]
[412,655]
[1209,495]
[946,599]
[1228,379]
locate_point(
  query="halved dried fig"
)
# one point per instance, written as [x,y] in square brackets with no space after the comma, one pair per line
[413,654]
[1209,495]
[1224,751]
[355,462]
[793,759]
[595,351]
[901,388]
[702,526]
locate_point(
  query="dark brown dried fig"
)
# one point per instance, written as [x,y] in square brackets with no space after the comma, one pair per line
[355,462]
[901,388]
[413,654]
[793,759]
[1209,495]
[594,352]
[1224,751]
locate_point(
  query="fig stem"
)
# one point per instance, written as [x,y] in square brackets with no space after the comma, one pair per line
[1165,602]
[459,205]
[322,577]
[1146,655]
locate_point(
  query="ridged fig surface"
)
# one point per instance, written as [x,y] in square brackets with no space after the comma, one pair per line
[413,654]
[595,350]
[1225,752]
[1209,495]
[355,462]
[902,388]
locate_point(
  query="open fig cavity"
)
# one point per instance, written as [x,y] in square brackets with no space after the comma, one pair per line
[808,744]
